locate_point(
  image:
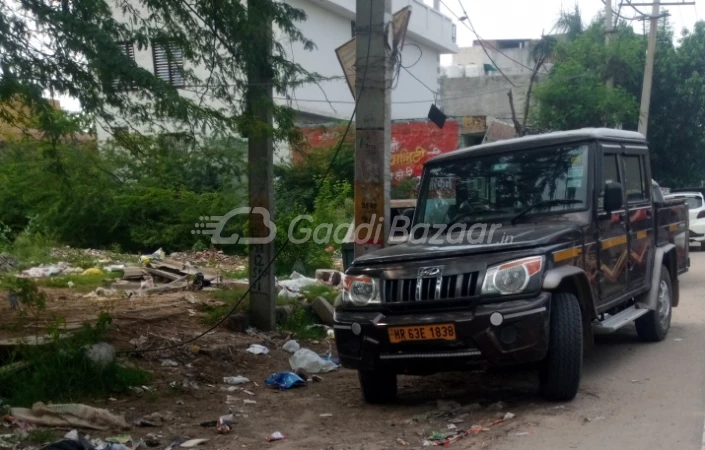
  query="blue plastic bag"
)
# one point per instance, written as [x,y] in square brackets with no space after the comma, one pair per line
[329,357]
[284,380]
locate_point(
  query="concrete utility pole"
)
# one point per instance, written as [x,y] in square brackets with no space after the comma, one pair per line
[609,28]
[373,124]
[648,70]
[260,162]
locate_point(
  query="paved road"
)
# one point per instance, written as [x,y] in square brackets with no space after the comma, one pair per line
[633,395]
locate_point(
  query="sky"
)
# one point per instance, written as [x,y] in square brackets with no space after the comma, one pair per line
[528,19]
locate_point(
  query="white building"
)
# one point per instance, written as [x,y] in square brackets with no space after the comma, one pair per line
[511,56]
[330,24]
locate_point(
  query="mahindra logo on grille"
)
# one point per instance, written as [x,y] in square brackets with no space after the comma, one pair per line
[429,272]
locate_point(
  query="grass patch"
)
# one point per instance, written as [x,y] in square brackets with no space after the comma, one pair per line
[229,297]
[301,322]
[42,436]
[313,291]
[61,372]
[82,283]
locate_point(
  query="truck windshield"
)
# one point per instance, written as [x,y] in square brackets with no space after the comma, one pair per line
[498,187]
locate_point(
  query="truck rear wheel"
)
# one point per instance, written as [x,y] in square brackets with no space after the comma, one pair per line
[378,386]
[654,325]
[560,372]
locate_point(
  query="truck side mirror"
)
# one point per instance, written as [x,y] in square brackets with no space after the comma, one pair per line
[613,196]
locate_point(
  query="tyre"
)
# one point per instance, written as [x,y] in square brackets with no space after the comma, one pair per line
[560,372]
[378,386]
[654,325]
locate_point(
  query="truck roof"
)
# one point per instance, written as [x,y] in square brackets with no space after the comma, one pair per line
[542,140]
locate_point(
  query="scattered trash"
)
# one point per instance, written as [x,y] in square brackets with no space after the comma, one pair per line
[139,342]
[156,256]
[292,287]
[151,440]
[119,439]
[42,271]
[224,424]
[326,415]
[70,284]
[678,339]
[169,363]
[69,415]
[248,392]
[478,429]
[317,378]
[451,426]
[523,433]
[444,439]
[92,271]
[401,441]
[276,436]
[230,400]
[509,416]
[311,362]
[193,443]
[257,349]
[285,380]
[115,268]
[635,381]
[594,419]
[235,380]
[291,346]
[248,401]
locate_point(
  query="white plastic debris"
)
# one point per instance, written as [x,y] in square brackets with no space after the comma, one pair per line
[235,380]
[311,362]
[115,268]
[249,402]
[72,435]
[295,284]
[101,354]
[257,349]
[42,271]
[509,416]
[193,443]
[169,363]
[291,346]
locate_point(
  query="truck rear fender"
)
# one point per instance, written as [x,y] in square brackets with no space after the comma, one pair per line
[663,256]
[574,280]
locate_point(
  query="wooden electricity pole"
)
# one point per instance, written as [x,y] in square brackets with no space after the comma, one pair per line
[373,123]
[260,162]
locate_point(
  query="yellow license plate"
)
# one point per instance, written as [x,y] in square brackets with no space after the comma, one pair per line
[444,332]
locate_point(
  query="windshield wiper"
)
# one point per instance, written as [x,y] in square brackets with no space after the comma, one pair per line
[543,204]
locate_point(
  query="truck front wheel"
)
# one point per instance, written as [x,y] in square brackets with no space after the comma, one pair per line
[560,372]
[654,325]
[378,386]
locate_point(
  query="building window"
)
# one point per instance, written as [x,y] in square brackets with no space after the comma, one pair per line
[454,33]
[127,49]
[169,63]
[353,25]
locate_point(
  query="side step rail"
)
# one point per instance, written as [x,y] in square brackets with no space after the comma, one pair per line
[614,323]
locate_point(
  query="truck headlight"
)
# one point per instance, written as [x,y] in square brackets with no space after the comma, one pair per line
[512,277]
[360,290]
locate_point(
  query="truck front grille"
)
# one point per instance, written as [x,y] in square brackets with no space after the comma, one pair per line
[423,289]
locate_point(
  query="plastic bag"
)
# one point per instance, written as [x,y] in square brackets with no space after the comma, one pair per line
[284,380]
[291,346]
[257,349]
[235,380]
[311,362]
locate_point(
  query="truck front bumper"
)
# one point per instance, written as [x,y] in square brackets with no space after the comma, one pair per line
[521,336]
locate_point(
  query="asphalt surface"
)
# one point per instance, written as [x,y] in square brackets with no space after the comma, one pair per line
[633,395]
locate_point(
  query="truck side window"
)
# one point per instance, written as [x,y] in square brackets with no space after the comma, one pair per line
[634,180]
[610,172]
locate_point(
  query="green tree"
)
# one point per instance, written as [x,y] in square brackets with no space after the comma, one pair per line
[575,94]
[71,47]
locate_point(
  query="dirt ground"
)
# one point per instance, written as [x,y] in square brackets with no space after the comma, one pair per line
[322,415]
